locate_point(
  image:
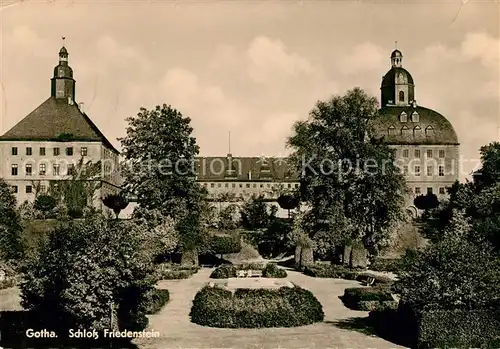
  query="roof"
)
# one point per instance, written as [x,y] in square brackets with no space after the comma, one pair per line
[214,169]
[396,53]
[56,120]
[442,130]
[389,79]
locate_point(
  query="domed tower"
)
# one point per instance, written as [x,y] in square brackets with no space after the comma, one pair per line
[62,82]
[397,85]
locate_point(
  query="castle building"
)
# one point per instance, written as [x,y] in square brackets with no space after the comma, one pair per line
[426,145]
[51,142]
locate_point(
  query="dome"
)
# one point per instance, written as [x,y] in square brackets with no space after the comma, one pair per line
[397,75]
[63,51]
[433,128]
[396,53]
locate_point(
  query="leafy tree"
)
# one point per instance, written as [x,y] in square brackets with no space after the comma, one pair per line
[160,153]
[227,217]
[89,273]
[10,224]
[426,202]
[288,202]
[348,175]
[45,203]
[116,203]
[254,213]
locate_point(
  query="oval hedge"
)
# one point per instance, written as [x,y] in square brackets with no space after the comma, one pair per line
[225,271]
[255,308]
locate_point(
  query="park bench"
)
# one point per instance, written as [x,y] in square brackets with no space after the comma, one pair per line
[241,273]
[255,273]
[370,280]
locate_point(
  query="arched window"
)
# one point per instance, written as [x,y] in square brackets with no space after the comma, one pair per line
[414,117]
[405,131]
[403,117]
[392,131]
[429,131]
[417,131]
[401,96]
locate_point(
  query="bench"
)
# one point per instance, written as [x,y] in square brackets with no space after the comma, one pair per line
[241,273]
[255,273]
[369,281]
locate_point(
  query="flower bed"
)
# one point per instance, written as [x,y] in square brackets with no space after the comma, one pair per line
[255,308]
[368,299]
[226,271]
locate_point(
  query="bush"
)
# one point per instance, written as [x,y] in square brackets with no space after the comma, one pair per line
[272,271]
[45,203]
[225,244]
[170,271]
[368,299]
[330,271]
[223,272]
[10,282]
[255,308]
[155,300]
[380,280]
[390,265]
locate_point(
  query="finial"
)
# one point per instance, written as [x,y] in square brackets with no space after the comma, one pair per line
[229,140]
[63,38]
[395,45]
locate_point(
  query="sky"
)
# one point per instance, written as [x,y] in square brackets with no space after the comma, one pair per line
[252,67]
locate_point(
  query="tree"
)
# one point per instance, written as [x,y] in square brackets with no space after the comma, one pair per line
[348,175]
[227,217]
[160,154]
[10,225]
[254,214]
[116,203]
[426,202]
[288,202]
[45,203]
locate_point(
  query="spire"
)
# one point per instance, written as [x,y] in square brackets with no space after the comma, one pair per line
[63,84]
[396,57]
[229,143]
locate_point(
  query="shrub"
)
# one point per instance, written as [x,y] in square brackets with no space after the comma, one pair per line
[255,308]
[10,282]
[225,244]
[75,212]
[368,299]
[330,271]
[380,280]
[45,203]
[170,271]
[272,271]
[155,300]
[392,265]
[224,271]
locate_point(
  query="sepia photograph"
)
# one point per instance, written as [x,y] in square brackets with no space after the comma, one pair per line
[249,174]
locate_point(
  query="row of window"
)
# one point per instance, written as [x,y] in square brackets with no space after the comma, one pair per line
[28,170]
[430,171]
[29,189]
[403,117]
[441,190]
[247,185]
[405,131]
[55,151]
[429,153]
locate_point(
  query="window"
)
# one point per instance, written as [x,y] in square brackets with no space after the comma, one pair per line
[417,190]
[429,171]
[29,151]
[14,150]
[42,151]
[269,185]
[42,189]
[14,189]
[205,185]
[414,117]
[212,185]
[262,185]
[401,96]
[405,170]
[403,117]
[405,153]
[219,185]
[429,153]
[241,185]
[14,170]
[405,131]
[441,171]
[69,151]
[248,185]
[83,151]
[43,169]
[255,185]
[429,131]
[29,170]
[29,189]
[56,170]
[441,153]
[417,153]
[417,170]
[56,151]
[234,185]
[296,185]
[226,185]
[417,131]
[289,185]
[429,190]
[392,131]
[442,191]
[71,169]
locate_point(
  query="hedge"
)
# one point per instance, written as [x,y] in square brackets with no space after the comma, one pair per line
[272,271]
[10,282]
[168,271]
[255,308]
[330,271]
[230,271]
[224,244]
[155,300]
[380,280]
[368,299]
[391,265]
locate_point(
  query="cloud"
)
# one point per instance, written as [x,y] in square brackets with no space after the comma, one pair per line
[483,47]
[363,57]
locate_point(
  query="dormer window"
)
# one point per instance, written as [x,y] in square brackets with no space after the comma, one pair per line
[403,117]
[429,131]
[392,131]
[405,131]
[415,117]
[417,131]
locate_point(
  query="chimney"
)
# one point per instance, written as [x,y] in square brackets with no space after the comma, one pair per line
[80,106]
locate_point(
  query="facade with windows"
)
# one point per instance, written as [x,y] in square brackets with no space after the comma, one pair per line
[425,142]
[48,145]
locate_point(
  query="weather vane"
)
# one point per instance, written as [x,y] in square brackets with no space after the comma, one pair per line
[63,38]
[396,44]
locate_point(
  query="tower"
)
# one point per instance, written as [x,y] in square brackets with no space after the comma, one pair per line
[397,87]
[62,82]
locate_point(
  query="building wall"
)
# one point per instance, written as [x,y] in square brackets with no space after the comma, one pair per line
[246,189]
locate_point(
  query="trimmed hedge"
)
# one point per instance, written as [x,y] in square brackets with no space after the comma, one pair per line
[155,300]
[225,244]
[168,271]
[224,271]
[255,308]
[330,271]
[368,299]
[391,265]
[272,271]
